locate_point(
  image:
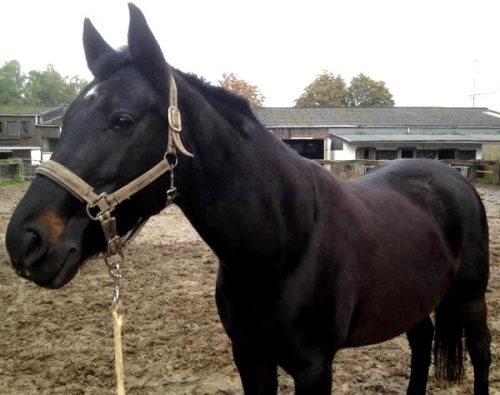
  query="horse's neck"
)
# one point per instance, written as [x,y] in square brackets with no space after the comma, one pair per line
[251,198]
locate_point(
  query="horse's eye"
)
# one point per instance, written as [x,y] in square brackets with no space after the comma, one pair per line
[123,121]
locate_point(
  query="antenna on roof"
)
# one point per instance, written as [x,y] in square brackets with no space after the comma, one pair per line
[474,94]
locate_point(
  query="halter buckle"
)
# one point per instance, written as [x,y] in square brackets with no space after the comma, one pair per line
[174,119]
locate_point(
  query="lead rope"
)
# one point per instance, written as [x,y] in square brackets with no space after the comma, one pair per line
[114,260]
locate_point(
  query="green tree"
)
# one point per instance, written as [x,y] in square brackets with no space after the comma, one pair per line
[366,92]
[49,88]
[11,83]
[327,90]
[242,88]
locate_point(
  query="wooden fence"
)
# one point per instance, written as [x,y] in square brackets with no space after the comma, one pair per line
[475,170]
[20,169]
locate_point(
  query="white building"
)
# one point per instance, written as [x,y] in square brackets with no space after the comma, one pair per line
[384,132]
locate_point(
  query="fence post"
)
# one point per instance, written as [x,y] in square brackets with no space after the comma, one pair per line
[21,170]
[496,173]
[472,172]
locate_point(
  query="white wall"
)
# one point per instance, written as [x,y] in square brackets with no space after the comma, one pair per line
[348,153]
[36,156]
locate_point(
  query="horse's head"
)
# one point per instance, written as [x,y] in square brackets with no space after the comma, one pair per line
[113,132]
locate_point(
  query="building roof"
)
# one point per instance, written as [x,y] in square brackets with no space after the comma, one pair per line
[385,136]
[46,116]
[53,117]
[378,117]
[15,109]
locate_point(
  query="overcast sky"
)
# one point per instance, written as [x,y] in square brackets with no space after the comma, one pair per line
[428,52]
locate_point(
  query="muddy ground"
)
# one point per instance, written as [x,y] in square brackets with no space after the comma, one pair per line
[54,342]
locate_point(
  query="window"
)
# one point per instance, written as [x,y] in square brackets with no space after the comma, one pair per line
[336,144]
[446,154]
[12,129]
[366,153]
[467,154]
[311,149]
[1,129]
[427,154]
[26,128]
[387,154]
[48,145]
[407,153]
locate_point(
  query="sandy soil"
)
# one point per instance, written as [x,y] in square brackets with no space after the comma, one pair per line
[54,342]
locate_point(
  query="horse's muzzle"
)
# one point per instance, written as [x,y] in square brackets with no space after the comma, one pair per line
[38,251]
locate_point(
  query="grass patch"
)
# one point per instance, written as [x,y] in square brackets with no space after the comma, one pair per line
[10,181]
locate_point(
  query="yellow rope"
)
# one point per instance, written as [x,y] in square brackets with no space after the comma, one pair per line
[118,316]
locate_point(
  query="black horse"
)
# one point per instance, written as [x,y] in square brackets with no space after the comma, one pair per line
[308,264]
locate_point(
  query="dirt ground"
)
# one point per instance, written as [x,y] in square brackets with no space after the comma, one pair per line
[54,342]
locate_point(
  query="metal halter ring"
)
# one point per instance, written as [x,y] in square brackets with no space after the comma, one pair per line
[89,206]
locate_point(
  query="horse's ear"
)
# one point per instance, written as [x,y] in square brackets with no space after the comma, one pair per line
[94,45]
[145,50]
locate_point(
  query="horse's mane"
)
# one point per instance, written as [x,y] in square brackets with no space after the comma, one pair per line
[234,108]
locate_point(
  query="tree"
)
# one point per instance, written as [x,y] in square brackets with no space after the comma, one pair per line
[50,88]
[242,88]
[366,92]
[327,90]
[11,83]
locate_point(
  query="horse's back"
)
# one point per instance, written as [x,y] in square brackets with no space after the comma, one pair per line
[440,191]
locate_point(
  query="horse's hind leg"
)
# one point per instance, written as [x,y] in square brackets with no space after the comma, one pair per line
[420,339]
[478,338]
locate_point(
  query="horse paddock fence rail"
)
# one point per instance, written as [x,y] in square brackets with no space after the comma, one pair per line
[477,171]
[481,171]
[17,169]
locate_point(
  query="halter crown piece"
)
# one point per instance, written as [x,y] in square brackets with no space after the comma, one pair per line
[106,203]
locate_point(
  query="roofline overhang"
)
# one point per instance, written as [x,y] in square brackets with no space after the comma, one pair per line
[19,115]
[382,127]
[18,147]
[476,142]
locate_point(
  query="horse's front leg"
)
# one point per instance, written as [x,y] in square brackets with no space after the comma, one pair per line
[314,377]
[315,380]
[258,373]
[251,341]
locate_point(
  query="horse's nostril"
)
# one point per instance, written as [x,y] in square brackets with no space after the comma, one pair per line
[36,247]
[34,240]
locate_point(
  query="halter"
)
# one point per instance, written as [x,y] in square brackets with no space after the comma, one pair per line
[105,203]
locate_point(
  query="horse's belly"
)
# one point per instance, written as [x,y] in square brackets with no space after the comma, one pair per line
[394,306]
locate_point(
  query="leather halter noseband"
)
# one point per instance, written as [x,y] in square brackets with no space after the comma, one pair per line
[105,202]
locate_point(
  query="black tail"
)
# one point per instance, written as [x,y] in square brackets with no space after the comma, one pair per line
[448,344]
